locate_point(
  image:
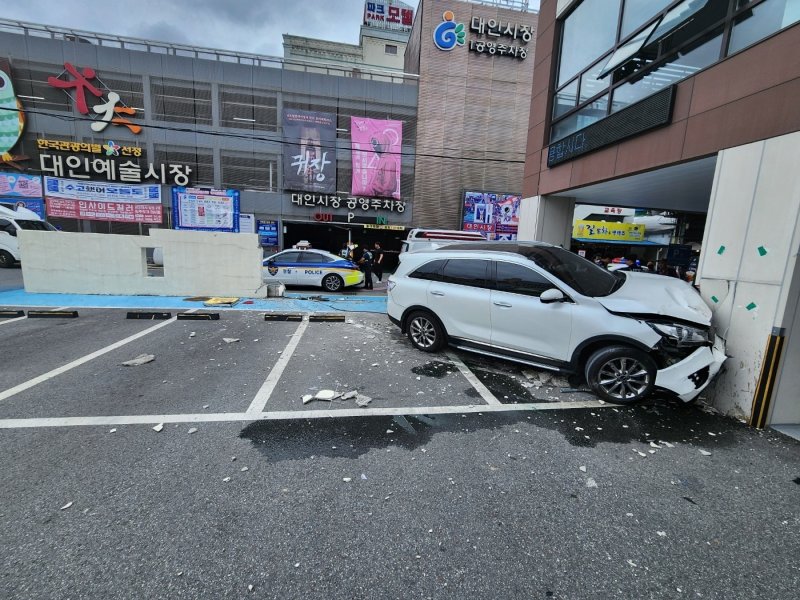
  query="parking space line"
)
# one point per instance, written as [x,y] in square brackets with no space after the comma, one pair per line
[265,391]
[488,396]
[289,415]
[83,360]
[26,316]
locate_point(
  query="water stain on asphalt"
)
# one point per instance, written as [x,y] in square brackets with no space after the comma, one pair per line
[434,368]
[505,387]
[351,437]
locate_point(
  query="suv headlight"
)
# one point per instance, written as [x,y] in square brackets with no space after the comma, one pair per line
[682,335]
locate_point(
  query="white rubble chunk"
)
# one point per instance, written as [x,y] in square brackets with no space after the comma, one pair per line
[582,468]
[705,453]
[193,430]
[66,506]
[591,483]
[325,395]
[158,427]
[307,398]
[230,340]
[142,359]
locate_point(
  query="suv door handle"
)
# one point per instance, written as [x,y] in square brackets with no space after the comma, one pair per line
[437,293]
[502,304]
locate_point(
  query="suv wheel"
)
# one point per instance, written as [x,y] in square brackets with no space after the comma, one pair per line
[620,374]
[425,332]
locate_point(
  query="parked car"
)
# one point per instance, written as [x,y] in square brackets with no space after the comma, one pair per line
[11,221]
[430,239]
[627,333]
[312,268]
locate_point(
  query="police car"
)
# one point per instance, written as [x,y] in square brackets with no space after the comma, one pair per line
[312,268]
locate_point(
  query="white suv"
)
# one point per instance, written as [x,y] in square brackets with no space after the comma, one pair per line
[541,305]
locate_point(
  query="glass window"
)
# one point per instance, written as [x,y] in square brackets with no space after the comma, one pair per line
[390,49]
[678,15]
[684,64]
[466,272]
[314,257]
[762,21]
[583,118]
[565,99]
[34,225]
[626,51]
[580,274]
[590,84]
[7,227]
[637,12]
[517,279]
[287,257]
[588,32]
[431,271]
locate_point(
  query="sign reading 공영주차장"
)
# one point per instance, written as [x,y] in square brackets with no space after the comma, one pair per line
[605,231]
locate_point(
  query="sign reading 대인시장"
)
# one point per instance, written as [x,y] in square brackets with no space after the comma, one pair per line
[502,39]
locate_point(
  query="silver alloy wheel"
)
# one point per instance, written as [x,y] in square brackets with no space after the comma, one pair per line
[332,283]
[423,332]
[623,378]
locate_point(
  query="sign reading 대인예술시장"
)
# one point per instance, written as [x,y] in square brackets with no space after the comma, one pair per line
[496,216]
[99,201]
[205,209]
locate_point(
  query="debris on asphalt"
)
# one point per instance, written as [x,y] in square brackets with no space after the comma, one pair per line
[591,483]
[296,565]
[226,480]
[230,340]
[113,430]
[349,395]
[158,427]
[389,431]
[363,400]
[654,445]
[192,334]
[307,398]
[66,506]
[347,479]
[243,469]
[363,476]
[582,469]
[374,365]
[250,588]
[705,453]
[205,405]
[192,429]
[667,444]
[142,359]
[325,395]
[233,459]
[662,533]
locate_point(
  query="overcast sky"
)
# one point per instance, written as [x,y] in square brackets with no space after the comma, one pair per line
[245,25]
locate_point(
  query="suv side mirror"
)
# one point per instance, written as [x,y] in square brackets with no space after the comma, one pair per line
[551,295]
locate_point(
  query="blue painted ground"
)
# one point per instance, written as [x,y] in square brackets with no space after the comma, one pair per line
[293,302]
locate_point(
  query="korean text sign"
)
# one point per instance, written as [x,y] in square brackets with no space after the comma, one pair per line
[205,209]
[309,152]
[607,231]
[376,149]
[98,201]
[494,215]
[20,186]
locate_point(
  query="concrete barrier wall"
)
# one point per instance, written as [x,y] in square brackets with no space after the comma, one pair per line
[195,263]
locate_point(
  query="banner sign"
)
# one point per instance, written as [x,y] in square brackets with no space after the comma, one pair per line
[309,151]
[607,231]
[388,14]
[247,223]
[205,209]
[349,202]
[98,201]
[494,215]
[376,149]
[20,186]
[34,204]
[268,233]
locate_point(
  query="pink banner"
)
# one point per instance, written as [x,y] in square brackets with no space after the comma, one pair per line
[125,212]
[376,149]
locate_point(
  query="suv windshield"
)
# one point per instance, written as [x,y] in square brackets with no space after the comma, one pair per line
[34,225]
[580,274]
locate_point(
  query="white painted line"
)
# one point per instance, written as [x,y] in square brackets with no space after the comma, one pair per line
[25,317]
[80,361]
[263,394]
[488,396]
[287,415]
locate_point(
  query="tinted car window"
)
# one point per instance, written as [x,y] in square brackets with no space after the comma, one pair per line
[431,271]
[314,257]
[517,279]
[466,272]
[34,225]
[7,227]
[287,257]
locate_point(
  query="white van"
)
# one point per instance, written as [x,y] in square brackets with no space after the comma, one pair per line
[11,221]
[431,239]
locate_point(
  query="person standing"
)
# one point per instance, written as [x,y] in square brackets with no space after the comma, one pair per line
[377,261]
[366,262]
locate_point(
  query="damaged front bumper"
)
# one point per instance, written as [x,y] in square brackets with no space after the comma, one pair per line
[689,377]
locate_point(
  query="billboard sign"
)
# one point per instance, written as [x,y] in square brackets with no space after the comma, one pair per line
[501,39]
[205,209]
[376,147]
[309,151]
[388,14]
[20,186]
[494,215]
[99,201]
[607,231]
[268,233]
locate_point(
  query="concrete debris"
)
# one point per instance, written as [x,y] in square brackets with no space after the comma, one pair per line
[667,444]
[226,480]
[325,395]
[113,431]
[591,483]
[631,563]
[389,431]
[192,429]
[349,395]
[347,479]
[363,476]
[158,427]
[142,359]
[374,365]
[243,469]
[296,565]
[662,533]
[307,398]
[705,453]
[66,506]
[250,588]
[582,469]
[230,340]
[205,405]
[192,334]
[654,445]
[363,400]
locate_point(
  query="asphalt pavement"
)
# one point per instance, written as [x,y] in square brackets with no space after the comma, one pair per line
[202,473]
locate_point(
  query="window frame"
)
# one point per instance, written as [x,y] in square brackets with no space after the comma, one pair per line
[487,276]
[532,268]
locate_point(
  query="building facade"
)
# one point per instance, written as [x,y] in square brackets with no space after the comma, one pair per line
[277,131]
[684,106]
[475,62]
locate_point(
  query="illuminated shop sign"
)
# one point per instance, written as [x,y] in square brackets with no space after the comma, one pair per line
[500,37]
[607,231]
[111,110]
[389,15]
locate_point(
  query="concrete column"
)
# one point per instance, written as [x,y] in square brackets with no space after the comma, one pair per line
[748,263]
[546,219]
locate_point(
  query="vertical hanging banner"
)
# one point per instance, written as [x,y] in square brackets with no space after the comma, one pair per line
[309,154]
[205,209]
[376,149]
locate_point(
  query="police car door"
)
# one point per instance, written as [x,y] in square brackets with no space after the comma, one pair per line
[313,268]
[283,267]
